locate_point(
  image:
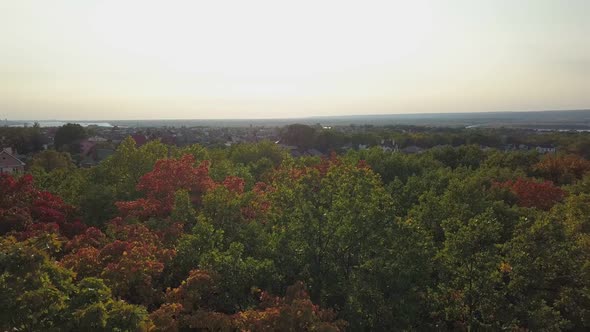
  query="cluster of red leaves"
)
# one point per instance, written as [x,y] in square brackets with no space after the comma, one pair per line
[294,312]
[92,237]
[322,168]
[161,184]
[192,305]
[171,175]
[532,194]
[327,163]
[234,184]
[27,211]
[562,169]
[130,264]
[362,164]
[259,204]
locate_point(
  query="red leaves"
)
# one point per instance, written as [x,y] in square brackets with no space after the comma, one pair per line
[171,175]
[192,305]
[362,164]
[160,185]
[92,237]
[234,184]
[327,163]
[141,208]
[130,264]
[22,207]
[540,195]
[294,312]
[130,269]
[563,169]
[195,292]
[85,262]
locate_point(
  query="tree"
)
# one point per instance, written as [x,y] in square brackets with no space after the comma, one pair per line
[529,193]
[192,306]
[546,275]
[23,139]
[300,135]
[389,290]
[94,309]
[131,263]
[327,217]
[294,312]
[563,169]
[50,160]
[38,294]
[469,292]
[161,185]
[68,136]
[26,211]
[123,170]
[34,290]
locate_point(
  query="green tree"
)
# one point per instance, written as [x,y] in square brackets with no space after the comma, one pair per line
[388,289]
[469,293]
[326,223]
[34,291]
[50,160]
[68,136]
[300,135]
[123,170]
[94,309]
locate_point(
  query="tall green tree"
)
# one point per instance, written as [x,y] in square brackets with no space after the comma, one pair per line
[68,136]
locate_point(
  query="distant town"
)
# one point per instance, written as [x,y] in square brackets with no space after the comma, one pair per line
[99,140]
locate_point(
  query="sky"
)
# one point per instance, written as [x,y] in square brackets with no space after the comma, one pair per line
[93,60]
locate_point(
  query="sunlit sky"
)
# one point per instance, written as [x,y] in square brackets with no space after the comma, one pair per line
[103,59]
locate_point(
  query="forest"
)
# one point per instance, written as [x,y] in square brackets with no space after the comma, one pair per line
[248,238]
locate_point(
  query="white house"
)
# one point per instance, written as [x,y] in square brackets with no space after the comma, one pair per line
[9,163]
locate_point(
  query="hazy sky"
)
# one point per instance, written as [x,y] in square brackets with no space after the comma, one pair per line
[103,59]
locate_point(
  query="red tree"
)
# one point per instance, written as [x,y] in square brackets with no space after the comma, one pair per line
[563,169]
[529,193]
[25,210]
[131,263]
[160,185]
[294,312]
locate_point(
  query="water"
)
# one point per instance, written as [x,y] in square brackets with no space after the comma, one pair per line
[61,123]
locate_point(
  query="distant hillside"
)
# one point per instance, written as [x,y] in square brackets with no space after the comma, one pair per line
[567,119]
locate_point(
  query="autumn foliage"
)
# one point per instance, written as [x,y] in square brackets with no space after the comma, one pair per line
[132,261]
[192,304]
[161,184]
[239,241]
[294,312]
[530,193]
[26,211]
[563,168]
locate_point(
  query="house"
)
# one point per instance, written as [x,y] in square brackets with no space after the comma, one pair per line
[86,146]
[412,149]
[95,156]
[314,153]
[388,145]
[9,163]
[546,149]
[97,139]
[139,139]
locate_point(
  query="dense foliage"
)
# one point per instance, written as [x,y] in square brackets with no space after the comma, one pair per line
[161,238]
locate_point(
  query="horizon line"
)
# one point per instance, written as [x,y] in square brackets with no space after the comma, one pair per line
[312,116]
